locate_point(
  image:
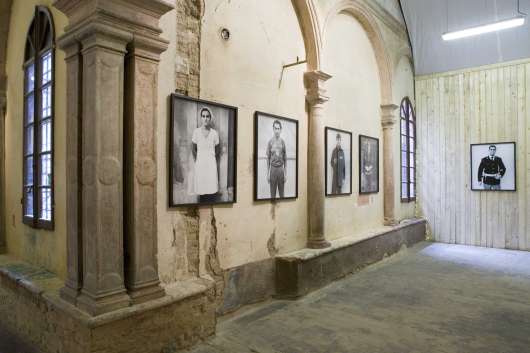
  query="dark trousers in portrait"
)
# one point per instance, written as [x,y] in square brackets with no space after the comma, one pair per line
[277,181]
[208,198]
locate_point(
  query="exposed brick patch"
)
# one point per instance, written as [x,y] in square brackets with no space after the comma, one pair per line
[188,47]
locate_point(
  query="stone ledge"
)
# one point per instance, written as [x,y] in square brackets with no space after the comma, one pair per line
[32,307]
[303,271]
[344,242]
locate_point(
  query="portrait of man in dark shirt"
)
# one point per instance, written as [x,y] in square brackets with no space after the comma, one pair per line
[276,161]
[491,170]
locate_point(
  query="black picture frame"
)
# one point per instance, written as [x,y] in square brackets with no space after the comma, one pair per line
[257,185]
[327,130]
[231,147]
[473,163]
[374,190]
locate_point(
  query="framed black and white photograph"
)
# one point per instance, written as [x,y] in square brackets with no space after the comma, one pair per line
[275,157]
[338,162]
[493,166]
[368,165]
[202,152]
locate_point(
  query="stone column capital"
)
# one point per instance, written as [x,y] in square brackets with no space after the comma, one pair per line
[132,15]
[314,83]
[148,47]
[388,115]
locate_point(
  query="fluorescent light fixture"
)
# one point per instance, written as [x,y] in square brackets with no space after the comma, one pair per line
[492,27]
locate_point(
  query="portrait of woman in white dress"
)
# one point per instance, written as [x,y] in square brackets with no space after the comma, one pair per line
[205,150]
[202,166]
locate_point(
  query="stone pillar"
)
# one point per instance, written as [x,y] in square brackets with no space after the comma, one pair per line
[102,164]
[74,257]
[315,97]
[2,168]
[388,121]
[102,174]
[141,168]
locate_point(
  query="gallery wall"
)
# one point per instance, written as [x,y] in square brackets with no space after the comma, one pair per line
[481,105]
[246,71]
[354,92]
[40,247]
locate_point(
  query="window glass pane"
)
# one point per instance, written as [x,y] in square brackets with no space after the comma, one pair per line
[404,143]
[412,190]
[404,174]
[412,175]
[30,108]
[46,62]
[403,127]
[28,171]
[28,202]
[28,131]
[411,129]
[404,191]
[412,160]
[46,102]
[46,204]
[45,170]
[411,144]
[30,78]
[404,158]
[46,134]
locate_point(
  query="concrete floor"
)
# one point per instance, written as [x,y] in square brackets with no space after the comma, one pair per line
[428,299]
[433,298]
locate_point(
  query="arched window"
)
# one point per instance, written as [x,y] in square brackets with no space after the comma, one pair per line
[38,121]
[408,151]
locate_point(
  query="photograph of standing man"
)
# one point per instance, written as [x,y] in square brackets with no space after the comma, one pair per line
[276,161]
[338,167]
[491,170]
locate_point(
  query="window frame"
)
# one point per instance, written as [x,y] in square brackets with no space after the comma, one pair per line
[41,21]
[407,115]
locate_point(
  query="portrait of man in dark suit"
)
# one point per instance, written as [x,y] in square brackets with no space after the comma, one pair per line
[338,162]
[493,166]
[491,170]
[338,166]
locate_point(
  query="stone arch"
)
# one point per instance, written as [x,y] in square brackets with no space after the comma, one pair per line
[308,19]
[362,14]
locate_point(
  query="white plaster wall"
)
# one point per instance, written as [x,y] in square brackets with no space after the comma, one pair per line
[403,83]
[354,92]
[245,72]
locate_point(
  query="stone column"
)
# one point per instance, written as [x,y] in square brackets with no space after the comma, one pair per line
[315,97]
[102,165]
[388,121]
[74,257]
[2,168]
[102,174]
[141,168]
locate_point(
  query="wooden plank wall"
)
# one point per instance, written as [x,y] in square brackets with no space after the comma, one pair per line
[454,110]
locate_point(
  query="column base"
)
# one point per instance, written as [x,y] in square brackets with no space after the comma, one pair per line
[147,292]
[97,306]
[390,222]
[69,295]
[318,244]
